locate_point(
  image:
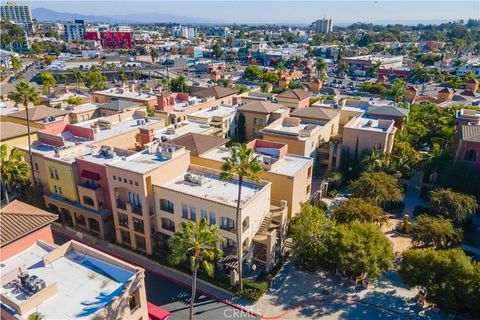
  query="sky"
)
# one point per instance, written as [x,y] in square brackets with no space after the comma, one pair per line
[303,12]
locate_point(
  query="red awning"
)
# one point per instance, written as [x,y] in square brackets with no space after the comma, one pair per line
[90,175]
[156,313]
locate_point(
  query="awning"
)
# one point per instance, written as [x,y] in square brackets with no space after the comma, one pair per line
[157,313]
[90,175]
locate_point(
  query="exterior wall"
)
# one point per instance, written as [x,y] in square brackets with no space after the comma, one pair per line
[18,141]
[163,174]
[102,171]
[43,234]
[81,117]
[291,189]
[67,179]
[249,126]
[464,146]
[367,140]
[398,120]
[255,210]
[294,103]
[306,147]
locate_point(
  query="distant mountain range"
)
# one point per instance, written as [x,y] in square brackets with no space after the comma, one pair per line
[43,14]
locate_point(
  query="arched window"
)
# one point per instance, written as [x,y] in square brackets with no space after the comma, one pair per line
[470,155]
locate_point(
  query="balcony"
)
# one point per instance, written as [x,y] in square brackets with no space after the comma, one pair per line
[91,196]
[138,226]
[134,209]
[121,204]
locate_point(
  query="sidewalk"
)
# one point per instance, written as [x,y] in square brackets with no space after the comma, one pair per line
[412,196]
[171,274]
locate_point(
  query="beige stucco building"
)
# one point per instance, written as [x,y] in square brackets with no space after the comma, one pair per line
[256,115]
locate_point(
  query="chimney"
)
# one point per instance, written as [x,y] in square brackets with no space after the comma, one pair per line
[146,135]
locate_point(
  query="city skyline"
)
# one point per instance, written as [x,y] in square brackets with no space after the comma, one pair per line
[276,12]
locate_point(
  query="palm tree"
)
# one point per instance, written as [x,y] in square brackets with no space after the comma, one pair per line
[342,69]
[321,66]
[25,95]
[36,316]
[79,76]
[197,243]
[48,81]
[242,164]
[14,169]
[113,67]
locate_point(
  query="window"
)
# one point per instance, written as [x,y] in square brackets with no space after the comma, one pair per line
[309,172]
[204,214]
[134,199]
[228,243]
[470,155]
[255,132]
[213,218]
[35,166]
[130,181]
[124,180]
[53,173]
[308,189]
[166,205]
[136,183]
[227,224]
[115,178]
[184,211]
[193,213]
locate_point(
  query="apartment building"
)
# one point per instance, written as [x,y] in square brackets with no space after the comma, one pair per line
[360,64]
[126,94]
[71,168]
[290,175]
[50,120]
[16,135]
[221,117]
[468,146]
[74,30]
[197,192]
[302,138]
[365,134]
[20,14]
[323,25]
[38,276]
[294,99]
[130,183]
[256,115]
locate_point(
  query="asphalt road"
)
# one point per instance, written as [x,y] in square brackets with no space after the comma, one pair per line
[175,298]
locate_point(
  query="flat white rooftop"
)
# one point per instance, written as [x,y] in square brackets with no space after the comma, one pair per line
[85,284]
[213,188]
[85,108]
[117,128]
[217,111]
[287,166]
[118,93]
[377,125]
[292,131]
[181,129]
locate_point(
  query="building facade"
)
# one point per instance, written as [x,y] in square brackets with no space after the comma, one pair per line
[74,30]
[20,14]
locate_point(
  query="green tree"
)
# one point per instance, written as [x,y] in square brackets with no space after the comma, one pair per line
[270,77]
[14,169]
[179,84]
[452,205]
[95,80]
[75,101]
[312,233]
[378,187]
[154,54]
[36,316]
[397,90]
[373,70]
[122,76]
[435,233]
[165,82]
[321,66]
[16,63]
[356,209]
[241,164]
[342,69]
[196,243]
[26,94]
[79,77]
[48,81]
[252,73]
[361,248]
[295,84]
[449,277]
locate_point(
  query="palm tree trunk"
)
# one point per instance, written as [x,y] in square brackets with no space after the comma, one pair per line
[5,191]
[29,143]
[194,290]
[239,235]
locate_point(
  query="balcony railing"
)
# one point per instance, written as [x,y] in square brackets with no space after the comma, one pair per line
[168,226]
[124,222]
[91,185]
[138,227]
[121,204]
[228,228]
[137,209]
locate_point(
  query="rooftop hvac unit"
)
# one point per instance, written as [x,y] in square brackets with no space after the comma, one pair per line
[193,179]
[164,139]
[40,284]
[171,150]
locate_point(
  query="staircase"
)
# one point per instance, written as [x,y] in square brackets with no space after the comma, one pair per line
[289,244]
[265,225]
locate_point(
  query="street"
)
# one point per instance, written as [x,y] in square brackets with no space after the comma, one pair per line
[175,298]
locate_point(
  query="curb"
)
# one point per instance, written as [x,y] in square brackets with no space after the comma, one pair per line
[179,282]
